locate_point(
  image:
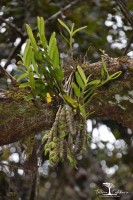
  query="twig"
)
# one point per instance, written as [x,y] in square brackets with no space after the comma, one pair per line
[129,17]
[13,52]
[13,26]
[125,11]
[15,166]
[13,80]
[128,45]
[61,11]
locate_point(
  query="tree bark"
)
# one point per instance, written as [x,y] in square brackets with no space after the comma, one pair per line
[113,101]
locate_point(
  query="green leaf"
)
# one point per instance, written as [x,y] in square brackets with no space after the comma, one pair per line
[26,52]
[115,75]
[52,44]
[76,90]
[35,66]
[23,85]
[31,37]
[79,80]
[41,28]
[38,55]
[105,66]
[94,82]
[31,79]
[28,58]
[22,76]
[79,29]
[88,93]
[55,58]
[70,101]
[65,38]
[82,74]
[20,63]
[59,74]
[90,98]
[53,51]
[82,111]
[102,73]
[64,25]
[72,28]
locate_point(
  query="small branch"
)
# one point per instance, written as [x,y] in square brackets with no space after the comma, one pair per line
[128,45]
[13,26]
[13,52]
[15,166]
[125,11]
[61,11]
[129,18]
[13,80]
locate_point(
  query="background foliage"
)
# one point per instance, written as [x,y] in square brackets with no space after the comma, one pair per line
[104,161]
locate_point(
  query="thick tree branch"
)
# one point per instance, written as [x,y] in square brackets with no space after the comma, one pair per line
[114,100]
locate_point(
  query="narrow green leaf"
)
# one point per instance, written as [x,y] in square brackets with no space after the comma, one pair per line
[94,82]
[59,74]
[52,45]
[35,66]
[55,58]
[26,49]
[88,78]
[71,101]
[88,93]
[115,75]
[102,73]
[31,79]
[76,90]
[23,85]
[82,111]
[90,98]
[20,63]
[105,66]
[64,25]
[22,69]
[65,38]
[28,58]
[79,80]
[72,28]
[53,51]
[31,37]
[79,29]
[22,76]
[41,28]
[82,74]
[20,56]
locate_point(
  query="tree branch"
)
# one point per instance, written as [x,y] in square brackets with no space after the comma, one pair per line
[114,100]
[129,18]
[62,10]
[13,26]
[13,80]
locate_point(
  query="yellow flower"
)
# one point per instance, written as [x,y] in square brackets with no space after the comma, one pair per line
[48,98]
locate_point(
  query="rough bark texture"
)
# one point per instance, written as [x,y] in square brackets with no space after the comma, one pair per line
[113,101]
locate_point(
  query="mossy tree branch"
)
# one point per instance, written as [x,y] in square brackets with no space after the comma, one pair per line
[114,100]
